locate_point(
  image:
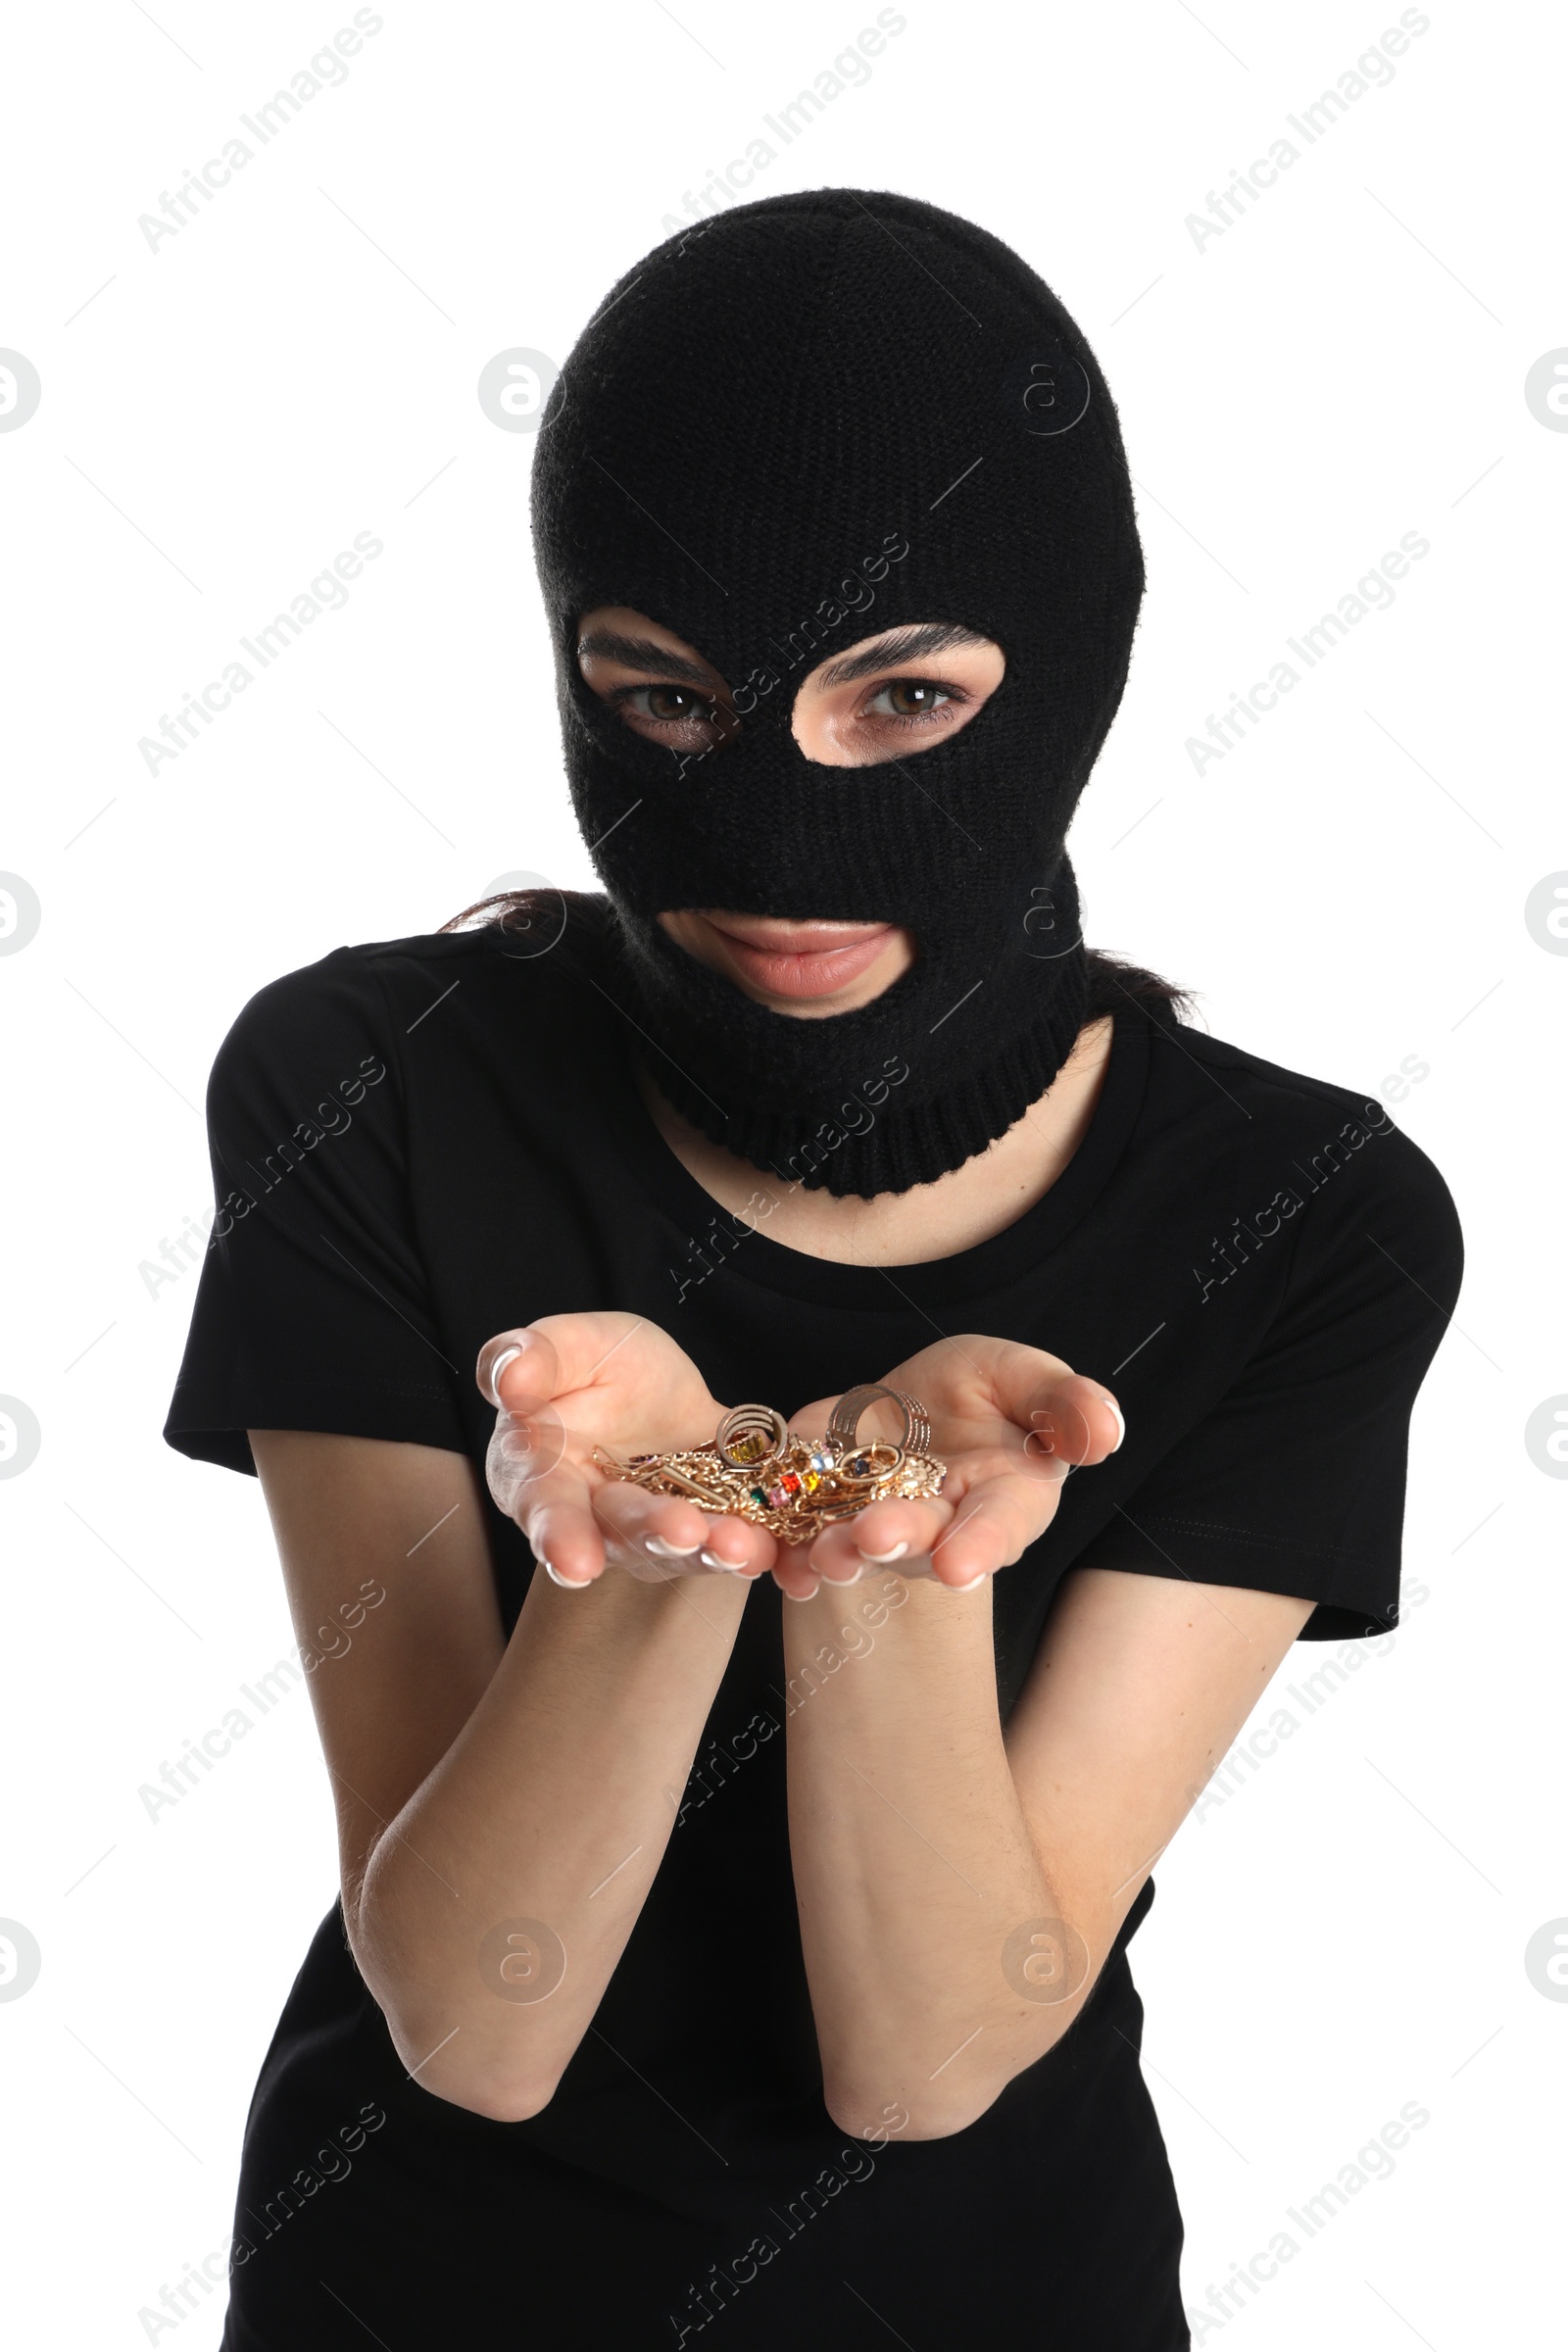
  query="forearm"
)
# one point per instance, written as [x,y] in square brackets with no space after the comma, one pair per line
[552,1806]
[913,1864]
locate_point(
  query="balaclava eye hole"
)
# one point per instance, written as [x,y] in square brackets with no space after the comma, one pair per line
[899,423]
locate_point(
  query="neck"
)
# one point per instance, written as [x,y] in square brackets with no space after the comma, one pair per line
[960,1210]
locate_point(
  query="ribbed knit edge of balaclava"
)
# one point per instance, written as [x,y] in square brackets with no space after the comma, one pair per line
[813,419]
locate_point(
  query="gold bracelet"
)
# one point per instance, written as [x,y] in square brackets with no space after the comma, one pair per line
[757,1468]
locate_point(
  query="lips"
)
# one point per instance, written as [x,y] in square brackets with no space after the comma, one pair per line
[803,960]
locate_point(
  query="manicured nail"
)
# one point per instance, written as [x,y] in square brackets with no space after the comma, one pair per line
[567,1584]
[880,1560]
[845,1580]
[670,1552]
[710,1559]
[812,1595]
[1121,1426]
[970,1586]
[496,1370]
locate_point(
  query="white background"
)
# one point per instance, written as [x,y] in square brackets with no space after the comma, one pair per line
[1344,365]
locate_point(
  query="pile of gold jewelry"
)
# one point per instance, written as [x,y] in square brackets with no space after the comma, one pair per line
[795,1487]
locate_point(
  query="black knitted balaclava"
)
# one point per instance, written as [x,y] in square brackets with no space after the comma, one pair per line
[803,422]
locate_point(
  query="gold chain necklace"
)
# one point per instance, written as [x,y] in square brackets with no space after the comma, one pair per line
[758,1468]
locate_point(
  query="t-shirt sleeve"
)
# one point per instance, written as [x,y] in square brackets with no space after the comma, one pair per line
[1294,1480]
[312,1310]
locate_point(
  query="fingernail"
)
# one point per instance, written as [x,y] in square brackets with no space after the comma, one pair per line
[670,1552]
[880,1560]
[845,1580]
[567,1584]
[970,1586]
[812,1595]
[496,1370]
[710,1559]
[1121,1426]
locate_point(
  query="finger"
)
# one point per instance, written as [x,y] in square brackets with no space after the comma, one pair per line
[519,1368]
[883,1534]
[986,1525]
[674,1537]
[523,1452]
[995,1523]
[576,1532]
[1075,1420]
[792,1573]
[738,1547]
[563,1532]
[523,1448]
[665,1526]
[665,1535]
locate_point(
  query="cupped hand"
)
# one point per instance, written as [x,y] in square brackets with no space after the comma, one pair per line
[1010,1422]
[570,1383]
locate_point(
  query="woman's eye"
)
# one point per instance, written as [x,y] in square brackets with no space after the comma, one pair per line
[908,700]
[670,706]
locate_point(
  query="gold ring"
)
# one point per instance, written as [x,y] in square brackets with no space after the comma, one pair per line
[751,1435]
[845,1421]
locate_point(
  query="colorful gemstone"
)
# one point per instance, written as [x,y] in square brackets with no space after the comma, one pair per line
[810,1482]
[790,1483]
[759,1497]
[777,1497]
[749,1449]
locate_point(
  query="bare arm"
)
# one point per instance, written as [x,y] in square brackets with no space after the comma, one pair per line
[959,1887]
[938,1860]
[489,1791]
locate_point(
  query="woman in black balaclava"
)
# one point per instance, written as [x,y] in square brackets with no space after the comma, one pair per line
[865,413]
[706,1968]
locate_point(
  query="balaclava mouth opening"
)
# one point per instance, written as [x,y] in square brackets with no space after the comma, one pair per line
[805,422]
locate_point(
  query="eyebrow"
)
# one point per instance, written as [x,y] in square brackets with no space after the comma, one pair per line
[641,653]
[903,645]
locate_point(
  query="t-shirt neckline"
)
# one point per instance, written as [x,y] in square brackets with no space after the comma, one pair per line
[984,1266]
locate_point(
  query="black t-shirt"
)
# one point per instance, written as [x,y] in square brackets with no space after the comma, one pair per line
[420,1144]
